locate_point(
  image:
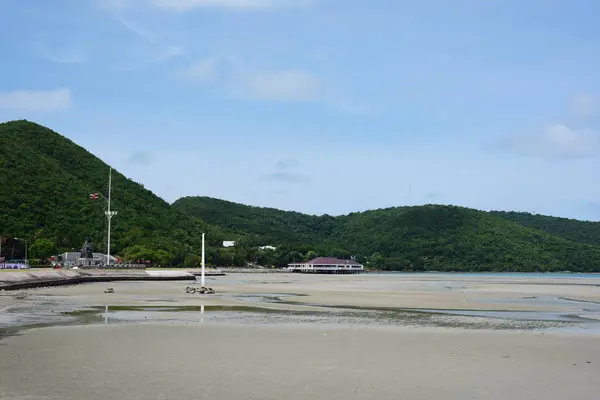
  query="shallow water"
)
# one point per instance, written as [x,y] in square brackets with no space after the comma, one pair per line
[165,302]
[494,274]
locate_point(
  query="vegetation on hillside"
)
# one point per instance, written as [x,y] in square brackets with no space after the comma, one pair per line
[570,229]
[46,180]
[45,185]
[430,237]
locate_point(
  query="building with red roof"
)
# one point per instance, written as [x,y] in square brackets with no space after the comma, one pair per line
[327,265]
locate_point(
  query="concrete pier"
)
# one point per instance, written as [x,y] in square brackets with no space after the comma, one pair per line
[31,279]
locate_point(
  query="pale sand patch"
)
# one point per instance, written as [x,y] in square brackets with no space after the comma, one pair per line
[400,291]
[295,362]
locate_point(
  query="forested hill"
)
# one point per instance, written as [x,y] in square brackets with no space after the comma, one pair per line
[570,229]
[430,237]
[45,183]
[262,225]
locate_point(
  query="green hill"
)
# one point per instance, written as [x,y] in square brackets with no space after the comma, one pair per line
[46,180]
[570,229]
[431,237]
[263,225]
[45,185]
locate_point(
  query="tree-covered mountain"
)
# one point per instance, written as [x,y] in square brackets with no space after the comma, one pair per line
[430,237]
[570,229]
[45,186]
[46,181]
[261,224]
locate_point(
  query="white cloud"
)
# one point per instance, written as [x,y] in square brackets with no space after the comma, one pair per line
[557,141]
[36,100]
[137,30]
[66,55]
[156,50]
[583,105]
[288,85]
[167,52]
[204,71]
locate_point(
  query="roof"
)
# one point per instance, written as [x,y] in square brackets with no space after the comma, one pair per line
[329,261]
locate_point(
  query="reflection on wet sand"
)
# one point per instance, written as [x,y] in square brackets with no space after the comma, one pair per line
[408,300]
[298,337]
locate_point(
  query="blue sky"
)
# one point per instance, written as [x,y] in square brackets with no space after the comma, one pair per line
[321,106]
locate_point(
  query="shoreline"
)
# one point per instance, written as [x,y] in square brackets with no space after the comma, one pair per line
[467,302]
[298,336]
[24,279]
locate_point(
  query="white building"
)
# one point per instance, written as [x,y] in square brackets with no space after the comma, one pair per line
[267,248]
[228,243]
[327,265]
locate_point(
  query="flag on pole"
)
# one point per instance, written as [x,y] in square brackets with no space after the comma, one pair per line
[94,196]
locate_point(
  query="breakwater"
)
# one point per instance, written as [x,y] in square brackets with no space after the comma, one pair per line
[32,279]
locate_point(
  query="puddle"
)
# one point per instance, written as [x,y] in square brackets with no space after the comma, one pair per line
[542,301]
[263,297]
[260,308]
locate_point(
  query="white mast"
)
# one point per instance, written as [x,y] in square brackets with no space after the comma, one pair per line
[109,215]
[202,272]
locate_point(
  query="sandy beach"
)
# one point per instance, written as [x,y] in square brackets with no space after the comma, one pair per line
[275,336]
[300,362]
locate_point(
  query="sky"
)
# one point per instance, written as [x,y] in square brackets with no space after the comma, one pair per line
[321,106]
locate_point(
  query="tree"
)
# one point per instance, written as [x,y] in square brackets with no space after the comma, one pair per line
[42,249]
[310,255]
[162,258]
[138,252]
[192,261]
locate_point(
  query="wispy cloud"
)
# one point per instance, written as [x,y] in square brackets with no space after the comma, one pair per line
[203,71]
[556,141]
[583,105]
[287,163]
[153,44]
[285,172]
[138,31]
[64,55]
[287,85]
[36,100]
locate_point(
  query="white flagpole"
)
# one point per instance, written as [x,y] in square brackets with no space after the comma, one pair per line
[202,272]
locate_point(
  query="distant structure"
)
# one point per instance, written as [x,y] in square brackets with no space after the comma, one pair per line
[228,243]
[267,248]
[327,265]
[13,264]
[86,257]
[83,258]
[71,259]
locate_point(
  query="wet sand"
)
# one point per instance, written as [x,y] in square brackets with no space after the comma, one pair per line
[292,336]
[150,361]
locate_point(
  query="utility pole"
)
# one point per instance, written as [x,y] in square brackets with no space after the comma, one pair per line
[202,271]
[109,215]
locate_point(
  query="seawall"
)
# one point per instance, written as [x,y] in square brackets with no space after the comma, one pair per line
[24,279]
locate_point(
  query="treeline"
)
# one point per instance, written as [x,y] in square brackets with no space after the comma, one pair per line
[421,238]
